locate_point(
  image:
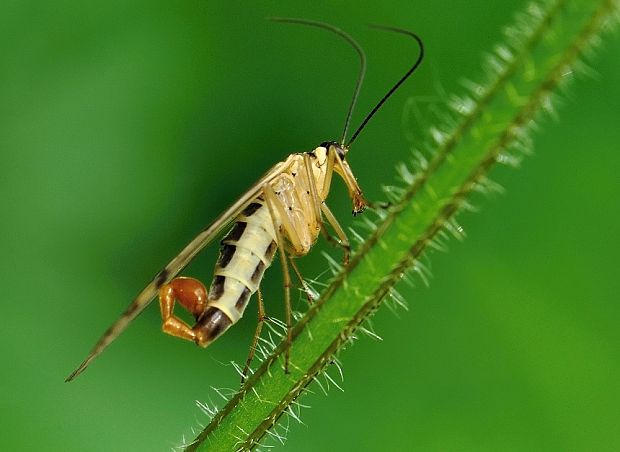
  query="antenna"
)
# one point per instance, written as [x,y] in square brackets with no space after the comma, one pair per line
[398,83]
[354,44]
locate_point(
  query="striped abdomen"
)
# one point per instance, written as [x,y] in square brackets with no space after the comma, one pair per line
[247,250]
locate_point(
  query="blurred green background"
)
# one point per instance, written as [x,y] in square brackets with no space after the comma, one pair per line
[126,127]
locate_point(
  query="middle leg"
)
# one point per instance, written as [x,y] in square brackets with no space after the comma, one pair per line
[274,205]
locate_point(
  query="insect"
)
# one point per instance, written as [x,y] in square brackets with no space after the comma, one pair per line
[284,211]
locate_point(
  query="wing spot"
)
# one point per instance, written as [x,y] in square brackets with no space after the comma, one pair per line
[161,278]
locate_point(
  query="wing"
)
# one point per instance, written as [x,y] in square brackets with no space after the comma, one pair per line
[177,264]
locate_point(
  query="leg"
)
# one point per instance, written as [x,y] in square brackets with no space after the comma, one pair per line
[319,207]
[344,241]
[355,192]
[303,283]
[314,193]
[192,295]
[331,161]
[259,327]
[273,205]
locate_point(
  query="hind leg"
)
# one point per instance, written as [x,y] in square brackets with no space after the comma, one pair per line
[189,293]
[302,281]
[259,327]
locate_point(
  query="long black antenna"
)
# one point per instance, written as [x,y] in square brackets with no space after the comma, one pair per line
[354,44]
[397,85]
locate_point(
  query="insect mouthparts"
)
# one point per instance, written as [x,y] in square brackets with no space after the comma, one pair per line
[327,144]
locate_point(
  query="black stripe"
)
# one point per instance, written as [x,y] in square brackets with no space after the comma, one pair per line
[243,299]
[227,251]
[217,287]
[251,208]
[258,272]
[236,232]
[213,322]
[271,250]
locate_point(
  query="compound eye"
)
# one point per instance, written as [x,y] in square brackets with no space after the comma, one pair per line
[341,152]
[338,147]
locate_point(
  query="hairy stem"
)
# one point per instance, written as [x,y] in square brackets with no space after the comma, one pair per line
[489,125]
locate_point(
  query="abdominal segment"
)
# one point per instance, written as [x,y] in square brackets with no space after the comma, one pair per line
[247,250]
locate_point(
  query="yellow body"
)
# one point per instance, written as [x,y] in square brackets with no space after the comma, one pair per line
[290,204]
[290,201]
[291,216]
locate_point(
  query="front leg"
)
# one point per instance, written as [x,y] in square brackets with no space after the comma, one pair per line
[321,208]
[343,240]
[355,192]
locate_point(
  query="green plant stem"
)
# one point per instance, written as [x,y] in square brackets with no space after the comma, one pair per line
[503,110]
